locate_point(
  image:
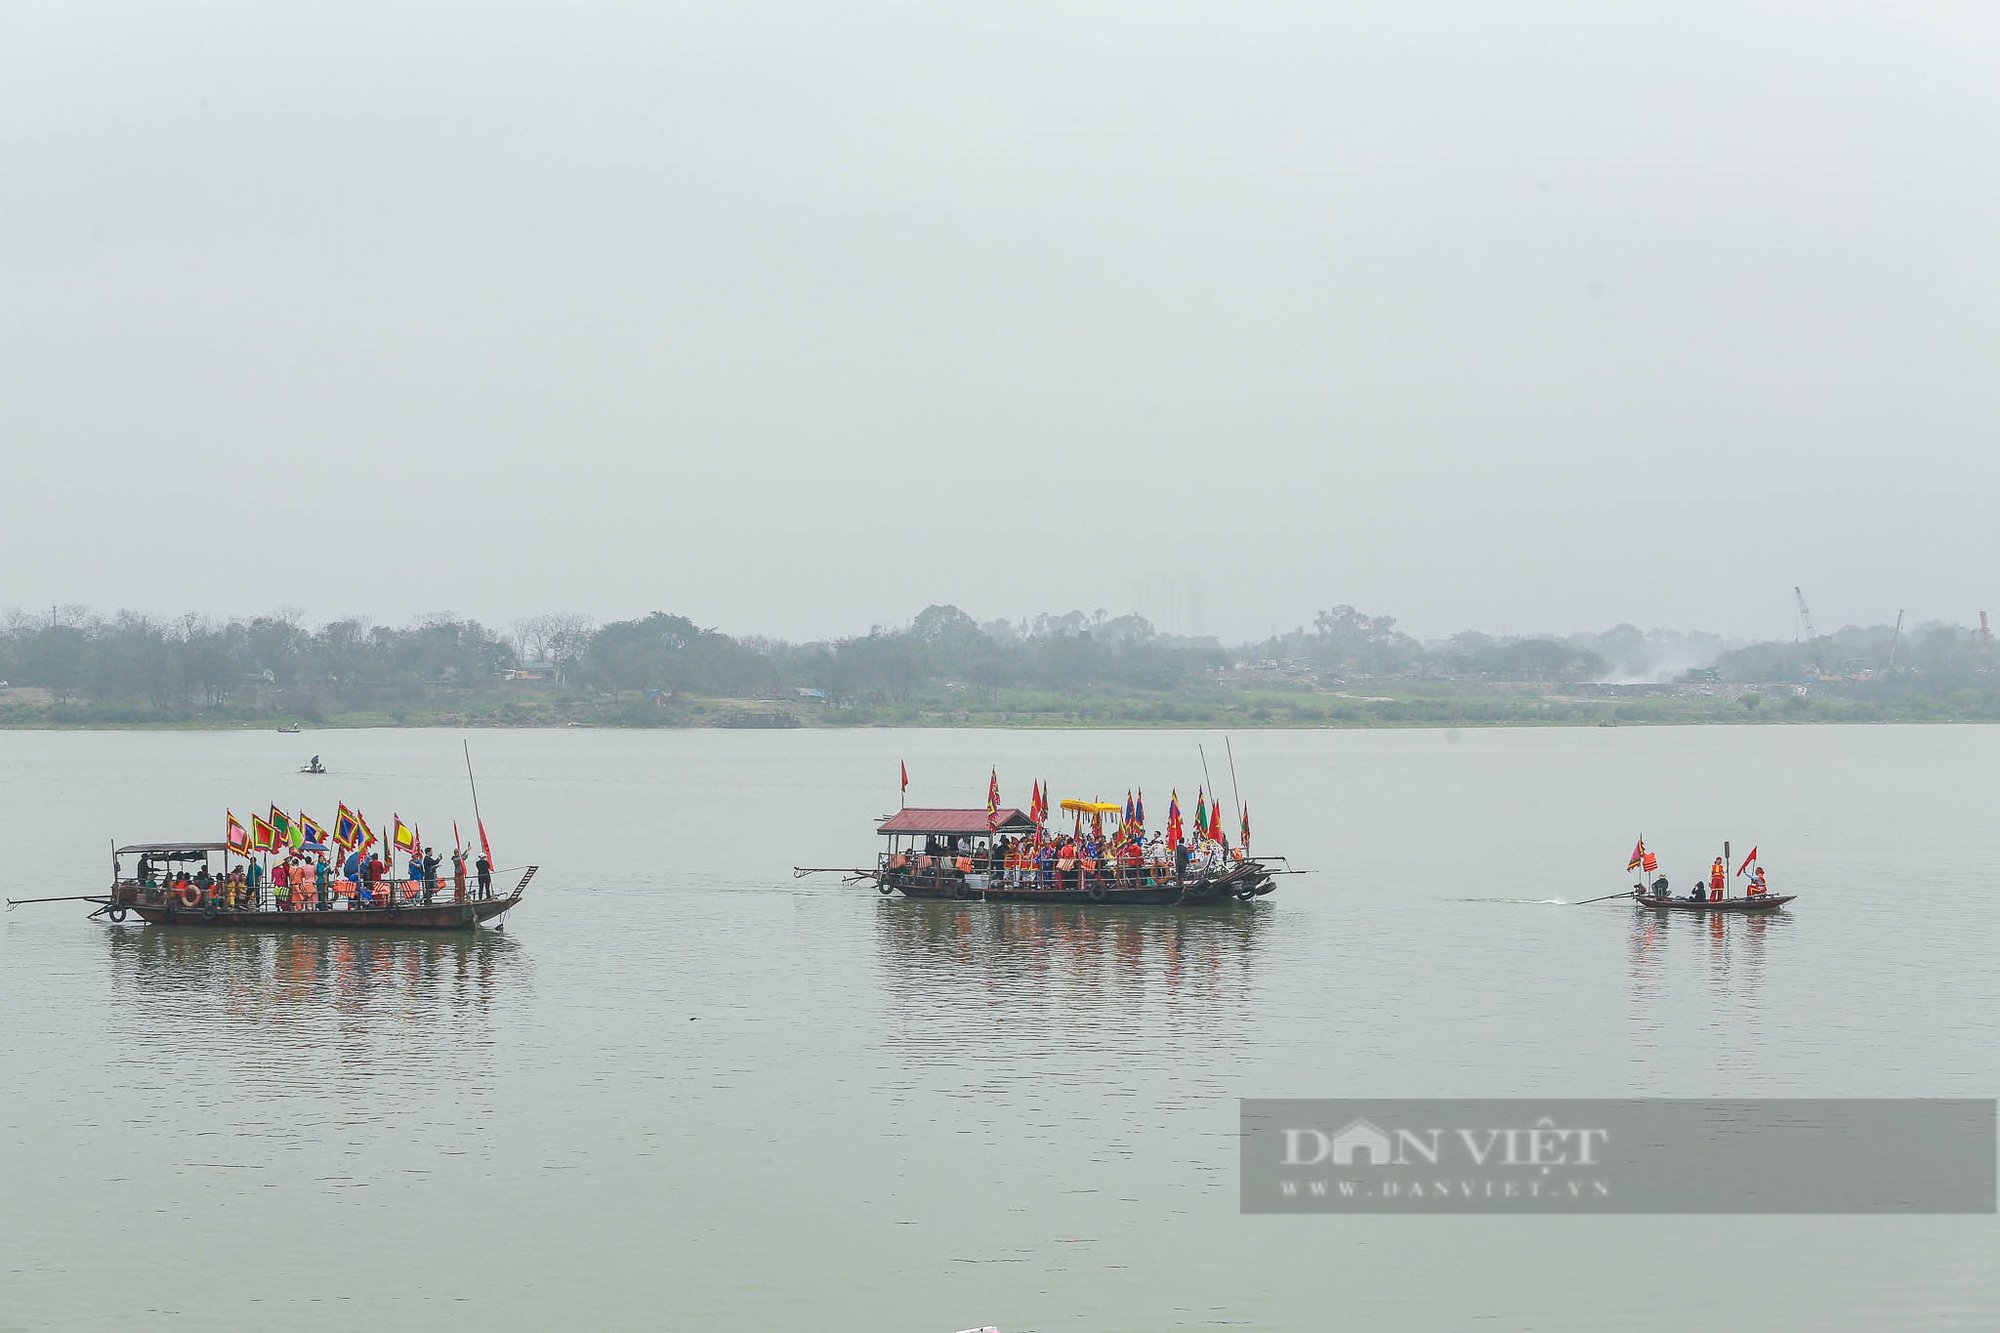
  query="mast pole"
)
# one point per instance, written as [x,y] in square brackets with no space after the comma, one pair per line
[471,783]
[1209,780]
[1234,790]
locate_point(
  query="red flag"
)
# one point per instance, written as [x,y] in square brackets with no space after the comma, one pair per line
[484,845]
[1215,824]
[906,774]
[1173,819]
[993,801]
[1035,800]
[1246,828]
[1746,861]
[1638,854]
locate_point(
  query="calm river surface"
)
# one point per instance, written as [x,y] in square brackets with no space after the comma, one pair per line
[685,1091]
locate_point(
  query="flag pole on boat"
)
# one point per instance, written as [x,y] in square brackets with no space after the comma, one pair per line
[475,792]
[1234,790]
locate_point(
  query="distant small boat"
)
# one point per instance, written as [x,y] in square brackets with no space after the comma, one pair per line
[292,730]
[1763,902]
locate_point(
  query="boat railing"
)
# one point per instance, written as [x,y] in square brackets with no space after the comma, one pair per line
[1066,874]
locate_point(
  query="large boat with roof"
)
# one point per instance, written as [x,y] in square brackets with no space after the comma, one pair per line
[1104,857]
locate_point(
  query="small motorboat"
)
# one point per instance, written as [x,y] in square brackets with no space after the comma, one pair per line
[1759,902]
[315,766]
[292,730]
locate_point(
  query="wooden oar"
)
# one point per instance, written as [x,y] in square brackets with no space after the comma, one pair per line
[67,898]
[1626,894]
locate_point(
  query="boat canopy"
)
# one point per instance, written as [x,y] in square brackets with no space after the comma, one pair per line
[953,823]
[1094,807]
[160,850]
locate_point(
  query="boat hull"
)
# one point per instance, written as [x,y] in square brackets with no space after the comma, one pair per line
[1763,903]
[436,916]
[1239,884]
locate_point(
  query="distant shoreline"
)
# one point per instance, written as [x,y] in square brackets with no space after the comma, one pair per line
[1378,714]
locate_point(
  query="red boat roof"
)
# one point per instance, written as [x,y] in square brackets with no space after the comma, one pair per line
[952,823]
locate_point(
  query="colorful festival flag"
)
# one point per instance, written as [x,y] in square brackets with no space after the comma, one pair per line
[1201,814]
[309,833]
[1246,829]
[404,838]
[1139,809]
[281,827]
[234,836]
[1638,854]
[993,801]
[262,836]
[1173,819]
[1747,860]
[365,836]
[346,829]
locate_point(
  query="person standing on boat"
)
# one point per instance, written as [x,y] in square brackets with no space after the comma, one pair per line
[323,882]
[1718,879]
[429,865]
[485,871]
[253,883]
[458,874]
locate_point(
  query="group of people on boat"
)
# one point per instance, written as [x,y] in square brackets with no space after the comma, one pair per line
[308,881]
[1716,886]
[1067,861]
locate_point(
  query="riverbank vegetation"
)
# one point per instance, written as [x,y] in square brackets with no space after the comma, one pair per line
[1347,669]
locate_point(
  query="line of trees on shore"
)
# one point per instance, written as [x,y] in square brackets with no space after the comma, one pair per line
[192,664]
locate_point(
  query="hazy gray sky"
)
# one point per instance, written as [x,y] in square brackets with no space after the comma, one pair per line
[1527,316]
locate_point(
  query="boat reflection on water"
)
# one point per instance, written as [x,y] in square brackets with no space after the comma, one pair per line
[1732,947]
[1077,958]
[310,978]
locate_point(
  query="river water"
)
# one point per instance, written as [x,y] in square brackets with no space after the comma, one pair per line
[686,1091]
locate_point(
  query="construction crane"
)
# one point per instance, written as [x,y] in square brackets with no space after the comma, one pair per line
[1894,639]
[1806,631]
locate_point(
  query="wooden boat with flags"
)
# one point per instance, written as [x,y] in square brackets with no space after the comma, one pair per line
[1008,855]
[1710,892]
[324,877]
[145,893]
[1767,902]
